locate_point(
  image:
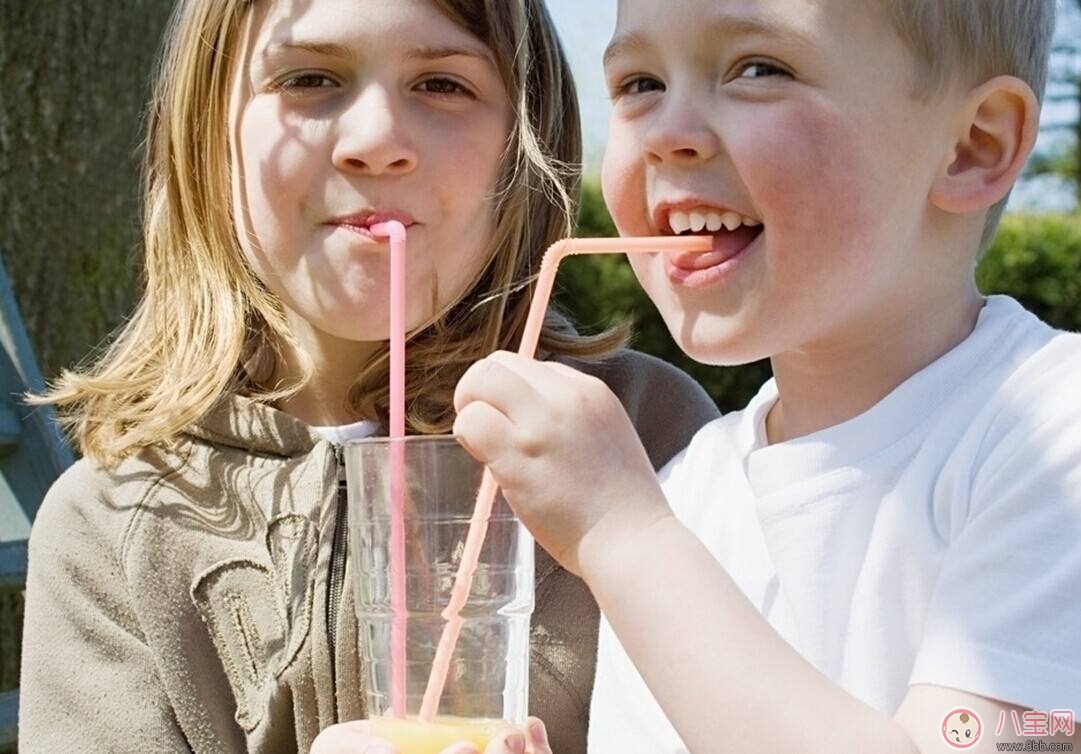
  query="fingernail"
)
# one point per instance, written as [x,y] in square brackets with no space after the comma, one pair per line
[515,743]
[538,734]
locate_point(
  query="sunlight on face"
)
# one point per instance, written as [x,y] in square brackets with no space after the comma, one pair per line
[350,111]
[794,113]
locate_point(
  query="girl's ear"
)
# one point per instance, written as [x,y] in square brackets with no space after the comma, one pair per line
[997,124]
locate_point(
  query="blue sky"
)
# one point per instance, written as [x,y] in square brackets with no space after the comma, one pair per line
[586,26]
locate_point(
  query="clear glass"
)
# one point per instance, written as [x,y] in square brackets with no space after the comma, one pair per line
[488,679]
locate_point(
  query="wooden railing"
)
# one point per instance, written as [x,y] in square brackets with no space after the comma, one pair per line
[32,456]
[12,581]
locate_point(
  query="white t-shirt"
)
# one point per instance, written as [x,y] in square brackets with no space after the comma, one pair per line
[341,434]
[935,538]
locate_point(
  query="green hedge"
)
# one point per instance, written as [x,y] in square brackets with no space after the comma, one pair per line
[1036,259]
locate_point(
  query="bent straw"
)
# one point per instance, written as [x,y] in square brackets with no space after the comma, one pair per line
[478,525]
[395,231]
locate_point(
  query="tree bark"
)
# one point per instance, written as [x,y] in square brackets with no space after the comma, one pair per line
[74,79]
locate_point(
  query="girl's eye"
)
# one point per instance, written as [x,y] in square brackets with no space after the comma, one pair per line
[306,81]
[758,69]
[640,85]
[444,87]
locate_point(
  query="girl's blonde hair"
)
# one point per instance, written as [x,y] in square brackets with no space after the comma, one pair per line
[206,326]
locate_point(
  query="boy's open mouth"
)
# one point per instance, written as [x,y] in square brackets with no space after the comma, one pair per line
[731,232]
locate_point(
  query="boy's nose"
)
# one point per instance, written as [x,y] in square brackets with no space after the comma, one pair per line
[678,135]
[373,138]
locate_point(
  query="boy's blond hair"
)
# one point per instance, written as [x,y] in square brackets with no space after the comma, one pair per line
[206,325]
[974,41]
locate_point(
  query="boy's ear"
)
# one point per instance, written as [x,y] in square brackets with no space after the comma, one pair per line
[997,124]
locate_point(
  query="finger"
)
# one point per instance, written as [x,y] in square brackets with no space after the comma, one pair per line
[538,736]
[507,741]
[461,749]
[568,371]
[350,738]
[467,389]
[373,748]
[541,373]
[567,392]
[550,379]
[482,430]
[503,387]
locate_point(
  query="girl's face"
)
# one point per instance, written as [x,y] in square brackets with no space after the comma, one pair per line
[348,112]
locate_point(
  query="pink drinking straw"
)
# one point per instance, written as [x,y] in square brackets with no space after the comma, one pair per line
[478,525]
[396,232]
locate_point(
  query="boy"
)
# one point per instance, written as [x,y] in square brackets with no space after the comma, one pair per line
[887,534]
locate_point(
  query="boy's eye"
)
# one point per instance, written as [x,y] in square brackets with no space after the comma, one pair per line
[757,69]
[640,85]
[444,87]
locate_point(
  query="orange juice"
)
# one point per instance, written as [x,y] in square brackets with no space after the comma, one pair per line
[410,736]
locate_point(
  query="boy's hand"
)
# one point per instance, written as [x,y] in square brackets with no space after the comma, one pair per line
[564,453]
[356,738]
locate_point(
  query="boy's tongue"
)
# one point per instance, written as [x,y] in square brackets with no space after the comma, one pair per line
[726,244]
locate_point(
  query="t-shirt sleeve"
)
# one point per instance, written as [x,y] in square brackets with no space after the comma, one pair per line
[1005,618]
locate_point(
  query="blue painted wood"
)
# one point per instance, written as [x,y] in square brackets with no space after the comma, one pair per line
[32,451]
[13,563]
[10,427]
[33,454]
[9,720]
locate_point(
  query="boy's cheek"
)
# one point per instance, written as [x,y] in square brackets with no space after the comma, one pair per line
[808,172]
[777,159]
[623,185]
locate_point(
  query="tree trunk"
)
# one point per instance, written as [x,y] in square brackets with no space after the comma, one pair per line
[74,79]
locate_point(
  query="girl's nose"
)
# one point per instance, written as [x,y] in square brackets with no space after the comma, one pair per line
[373,138]
[679,134]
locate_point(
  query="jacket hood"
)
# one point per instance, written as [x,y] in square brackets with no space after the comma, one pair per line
[239,422]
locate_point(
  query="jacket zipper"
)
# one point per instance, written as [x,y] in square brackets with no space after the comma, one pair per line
[336,577]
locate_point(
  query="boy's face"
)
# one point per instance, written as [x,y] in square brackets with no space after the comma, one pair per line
[796,116]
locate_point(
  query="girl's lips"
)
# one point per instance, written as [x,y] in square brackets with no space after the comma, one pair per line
[361,222]
[698,269]
[365,232]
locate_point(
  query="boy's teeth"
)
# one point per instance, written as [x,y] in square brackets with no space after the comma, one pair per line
[680,222]
[731,220]
[710,220]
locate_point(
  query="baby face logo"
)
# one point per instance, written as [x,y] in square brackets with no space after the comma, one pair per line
[961,728]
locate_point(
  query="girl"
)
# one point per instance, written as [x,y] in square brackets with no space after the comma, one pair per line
[188,588]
